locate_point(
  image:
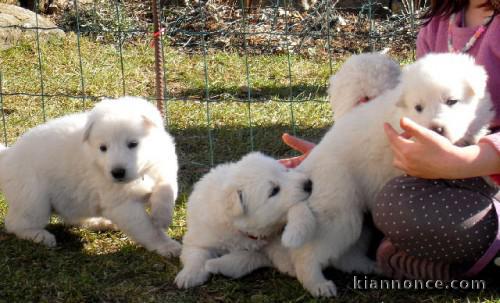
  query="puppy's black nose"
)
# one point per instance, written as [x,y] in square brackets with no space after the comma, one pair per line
[438,129]
[118,173]
[308,186]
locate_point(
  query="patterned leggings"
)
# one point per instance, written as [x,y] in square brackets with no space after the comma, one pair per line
[453,221]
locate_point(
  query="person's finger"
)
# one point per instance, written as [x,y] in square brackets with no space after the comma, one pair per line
[292,162]
[398,164]
[406,135]
[300,145]
[415,129]
[395,139]
[397,154]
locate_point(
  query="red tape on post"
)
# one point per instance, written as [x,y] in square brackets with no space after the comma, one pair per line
[156,35]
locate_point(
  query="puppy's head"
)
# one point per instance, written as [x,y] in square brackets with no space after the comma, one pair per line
[259,191]
[447,94]
[361,78]
[117,135]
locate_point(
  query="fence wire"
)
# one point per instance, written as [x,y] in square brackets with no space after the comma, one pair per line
[327,32]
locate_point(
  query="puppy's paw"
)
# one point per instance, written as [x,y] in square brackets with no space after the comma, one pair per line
[162,204]
[45,238]
[324,289]
[212,266]
[292,238]
[217,266]
[357,263]
[169,249]
[188,278]
[300,226]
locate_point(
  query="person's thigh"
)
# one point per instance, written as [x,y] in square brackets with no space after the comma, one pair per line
[440,220]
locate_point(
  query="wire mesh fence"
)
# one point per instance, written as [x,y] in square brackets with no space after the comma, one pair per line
[264,65]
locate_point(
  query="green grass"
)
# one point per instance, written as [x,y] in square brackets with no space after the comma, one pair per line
[107,266]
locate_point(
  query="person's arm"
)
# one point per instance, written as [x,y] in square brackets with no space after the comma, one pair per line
[432,156]
[300,145]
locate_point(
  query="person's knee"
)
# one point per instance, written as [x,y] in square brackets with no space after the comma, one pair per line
[390,203]
[429,217]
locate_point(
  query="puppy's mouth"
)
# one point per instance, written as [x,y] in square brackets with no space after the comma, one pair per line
[125,180]
[254,237]
[463,143]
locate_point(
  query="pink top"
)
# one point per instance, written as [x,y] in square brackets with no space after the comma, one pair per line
[434,38]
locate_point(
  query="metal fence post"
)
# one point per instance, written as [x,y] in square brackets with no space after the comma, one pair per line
[159,91]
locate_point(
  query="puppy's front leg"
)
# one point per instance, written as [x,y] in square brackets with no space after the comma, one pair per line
[162,204]
[193,273]
[309,272]
[236,264]
[132,218]
[280,257]
[300,226]
[356,259]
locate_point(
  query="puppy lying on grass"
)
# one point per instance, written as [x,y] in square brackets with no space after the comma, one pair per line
[108,162]
[235,216]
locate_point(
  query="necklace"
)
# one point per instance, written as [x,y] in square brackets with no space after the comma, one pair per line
[474,37]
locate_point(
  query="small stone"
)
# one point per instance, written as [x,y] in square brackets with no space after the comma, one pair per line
[17,22]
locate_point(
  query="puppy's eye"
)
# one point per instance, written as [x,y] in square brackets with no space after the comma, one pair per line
[419,108]
[451,102]
[103,148]
[132,144]
[275,191]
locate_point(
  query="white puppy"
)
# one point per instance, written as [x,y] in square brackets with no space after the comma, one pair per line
[234,217]
[361,78]
[443,92]
[107,162]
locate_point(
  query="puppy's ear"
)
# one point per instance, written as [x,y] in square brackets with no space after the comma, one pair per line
[475,84]
[148,123]
[236,206]
[87,130]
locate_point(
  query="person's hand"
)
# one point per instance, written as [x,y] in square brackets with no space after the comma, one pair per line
[432,156]
[300,145]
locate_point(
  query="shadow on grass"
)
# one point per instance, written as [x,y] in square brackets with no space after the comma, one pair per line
[230,144]
[260,94]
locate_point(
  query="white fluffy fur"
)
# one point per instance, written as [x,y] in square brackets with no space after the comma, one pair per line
[354,160]
[361,76]
[59,166]
[232,202]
